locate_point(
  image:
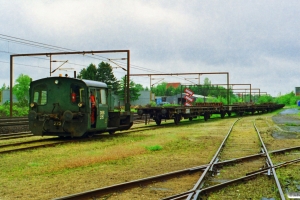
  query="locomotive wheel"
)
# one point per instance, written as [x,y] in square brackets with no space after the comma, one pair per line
[111,132]
[89,134]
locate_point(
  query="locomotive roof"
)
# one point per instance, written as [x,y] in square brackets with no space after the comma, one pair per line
[88,83]
[94,83]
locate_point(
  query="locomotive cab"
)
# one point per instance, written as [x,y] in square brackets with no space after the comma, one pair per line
[64,106]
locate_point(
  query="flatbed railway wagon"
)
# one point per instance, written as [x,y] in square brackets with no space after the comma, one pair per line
[203,109]
[70,107]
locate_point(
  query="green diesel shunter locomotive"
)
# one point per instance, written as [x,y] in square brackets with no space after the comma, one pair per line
[70,107]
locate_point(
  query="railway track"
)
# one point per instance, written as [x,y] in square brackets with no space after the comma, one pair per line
[51,142]
[226,168]
[21,121]
[9,136]
[13,121]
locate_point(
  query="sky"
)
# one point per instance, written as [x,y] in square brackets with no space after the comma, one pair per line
[256,42]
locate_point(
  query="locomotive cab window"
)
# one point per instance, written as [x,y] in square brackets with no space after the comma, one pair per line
[76,94]
[103,96]
[40,94]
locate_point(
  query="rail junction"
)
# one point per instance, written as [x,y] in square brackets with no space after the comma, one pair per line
[204,187]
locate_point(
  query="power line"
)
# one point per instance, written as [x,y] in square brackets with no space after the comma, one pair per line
[25,65]
[42,45]
[52,47]
[43,59]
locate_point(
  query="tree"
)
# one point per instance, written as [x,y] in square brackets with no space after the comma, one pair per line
[287,99]
[89,73]
[102,73]
[265,99]
[160,89]
[106,75]
[4,87]
[21,89]
[139,87]
[134,90]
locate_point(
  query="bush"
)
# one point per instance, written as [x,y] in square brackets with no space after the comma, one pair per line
[17,110]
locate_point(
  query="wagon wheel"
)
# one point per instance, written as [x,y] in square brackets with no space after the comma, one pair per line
[176,119]
[158,120]
[222,114]
[229,113]
[206,116]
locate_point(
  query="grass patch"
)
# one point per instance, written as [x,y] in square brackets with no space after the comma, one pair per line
[291,124]
[154,148]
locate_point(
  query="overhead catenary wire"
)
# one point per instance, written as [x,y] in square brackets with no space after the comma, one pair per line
[57,48]
[52,47]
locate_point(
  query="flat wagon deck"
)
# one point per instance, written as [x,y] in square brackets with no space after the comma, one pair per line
[203,109]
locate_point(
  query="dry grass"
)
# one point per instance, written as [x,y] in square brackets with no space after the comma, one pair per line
[70,168]
[257,188]
[47,173]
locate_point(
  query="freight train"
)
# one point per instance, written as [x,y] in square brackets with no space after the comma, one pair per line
[178,113]
[71,107]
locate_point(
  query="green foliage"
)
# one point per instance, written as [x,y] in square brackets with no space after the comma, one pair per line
[206,90]
[287,99]
[106,75]
[139,87]
[160,89]
[17,110]
[154,148]
[21,89]
[102,73]
[152,103]
[89,73]
[4,87]
[265,99]
[134,90]
[167,105]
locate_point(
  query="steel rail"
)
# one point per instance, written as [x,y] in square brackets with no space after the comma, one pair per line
[32,147]
[189,194]
[248,176]
[16,136]
[214,160]
[149,180]
[269,161]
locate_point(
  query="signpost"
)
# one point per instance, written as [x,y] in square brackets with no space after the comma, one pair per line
[188,97]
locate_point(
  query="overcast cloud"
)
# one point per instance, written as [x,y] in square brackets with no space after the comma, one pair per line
[257,42]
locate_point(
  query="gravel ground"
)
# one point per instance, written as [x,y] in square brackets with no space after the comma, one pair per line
[289,123]
[13,129]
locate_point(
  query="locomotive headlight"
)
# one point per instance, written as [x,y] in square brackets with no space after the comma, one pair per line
[56,82]
[32,105]
[80,104]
